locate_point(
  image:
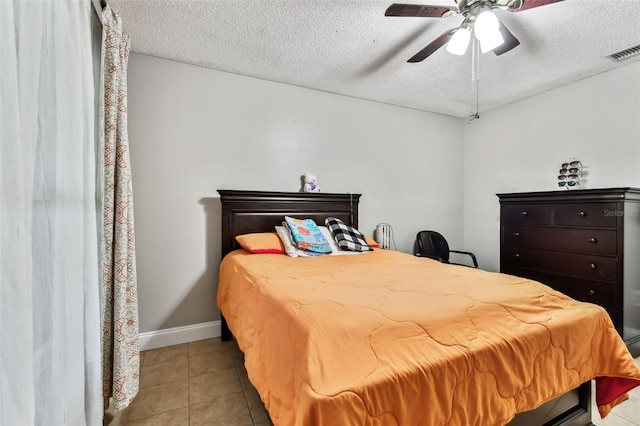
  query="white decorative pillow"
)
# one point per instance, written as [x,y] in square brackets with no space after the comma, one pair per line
[290,248]
[329,236]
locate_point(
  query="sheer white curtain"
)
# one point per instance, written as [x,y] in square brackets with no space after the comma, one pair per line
[50,370]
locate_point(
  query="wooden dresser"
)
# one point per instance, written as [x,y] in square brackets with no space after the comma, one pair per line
[584,243]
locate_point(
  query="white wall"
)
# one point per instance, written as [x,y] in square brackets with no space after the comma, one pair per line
[519,147]
[194,130]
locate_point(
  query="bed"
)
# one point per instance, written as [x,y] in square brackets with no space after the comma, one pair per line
[386,338]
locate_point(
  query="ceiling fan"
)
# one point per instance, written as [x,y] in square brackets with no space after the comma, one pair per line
[492,34]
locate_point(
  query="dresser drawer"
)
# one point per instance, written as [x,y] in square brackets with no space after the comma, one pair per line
[596,241]
[578,265]
[527,214]
[603,294]
[586,214]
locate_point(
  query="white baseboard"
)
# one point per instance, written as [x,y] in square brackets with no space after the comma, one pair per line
[178,335]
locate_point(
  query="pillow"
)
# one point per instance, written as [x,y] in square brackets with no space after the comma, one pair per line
[329,237]
[370,241]
[264,242]
[292,251]
[348,237]
[306,235]
[289,247]
[335,250]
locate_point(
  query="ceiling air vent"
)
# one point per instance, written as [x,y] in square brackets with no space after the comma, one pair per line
[626,53]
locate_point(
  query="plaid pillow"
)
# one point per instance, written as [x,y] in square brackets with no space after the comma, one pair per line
[347,237]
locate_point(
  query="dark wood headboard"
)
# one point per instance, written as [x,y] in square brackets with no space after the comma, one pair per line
[244,212]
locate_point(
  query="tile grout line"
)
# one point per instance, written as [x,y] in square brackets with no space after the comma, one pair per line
[244,394]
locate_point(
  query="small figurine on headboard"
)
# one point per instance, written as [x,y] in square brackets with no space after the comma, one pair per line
[310,183]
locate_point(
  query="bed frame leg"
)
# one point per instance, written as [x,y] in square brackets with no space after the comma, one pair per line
[225,333]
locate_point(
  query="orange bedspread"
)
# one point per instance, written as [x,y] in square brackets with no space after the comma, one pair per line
[387,338]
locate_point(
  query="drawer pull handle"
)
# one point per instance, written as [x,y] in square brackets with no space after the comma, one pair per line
[582,213]
[517,255]
[591,292]
[593,266]
[525,213]
[516,234]
[593,240]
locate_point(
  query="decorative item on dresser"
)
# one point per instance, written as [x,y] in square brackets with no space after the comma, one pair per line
[570,175]
[585,244]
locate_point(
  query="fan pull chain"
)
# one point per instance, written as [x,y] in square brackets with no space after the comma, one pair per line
[475,71]
[474,59]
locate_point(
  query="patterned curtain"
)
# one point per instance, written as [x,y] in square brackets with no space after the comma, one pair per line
[120,351]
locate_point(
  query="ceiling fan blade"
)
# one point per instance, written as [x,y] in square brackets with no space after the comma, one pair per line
[510,41]
[417,10]
[520,5]
[433,46]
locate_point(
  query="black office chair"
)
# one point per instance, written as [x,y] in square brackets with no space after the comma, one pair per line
[433,245]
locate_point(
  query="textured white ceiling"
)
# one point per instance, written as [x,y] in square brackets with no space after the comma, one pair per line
[349,47]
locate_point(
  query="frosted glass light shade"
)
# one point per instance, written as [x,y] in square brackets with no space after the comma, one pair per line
[487,44]
[459,42]
[485,24]
[487,30]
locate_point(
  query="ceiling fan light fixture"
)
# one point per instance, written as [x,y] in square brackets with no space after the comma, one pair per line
[459,41]
[487,44]
[487,30]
